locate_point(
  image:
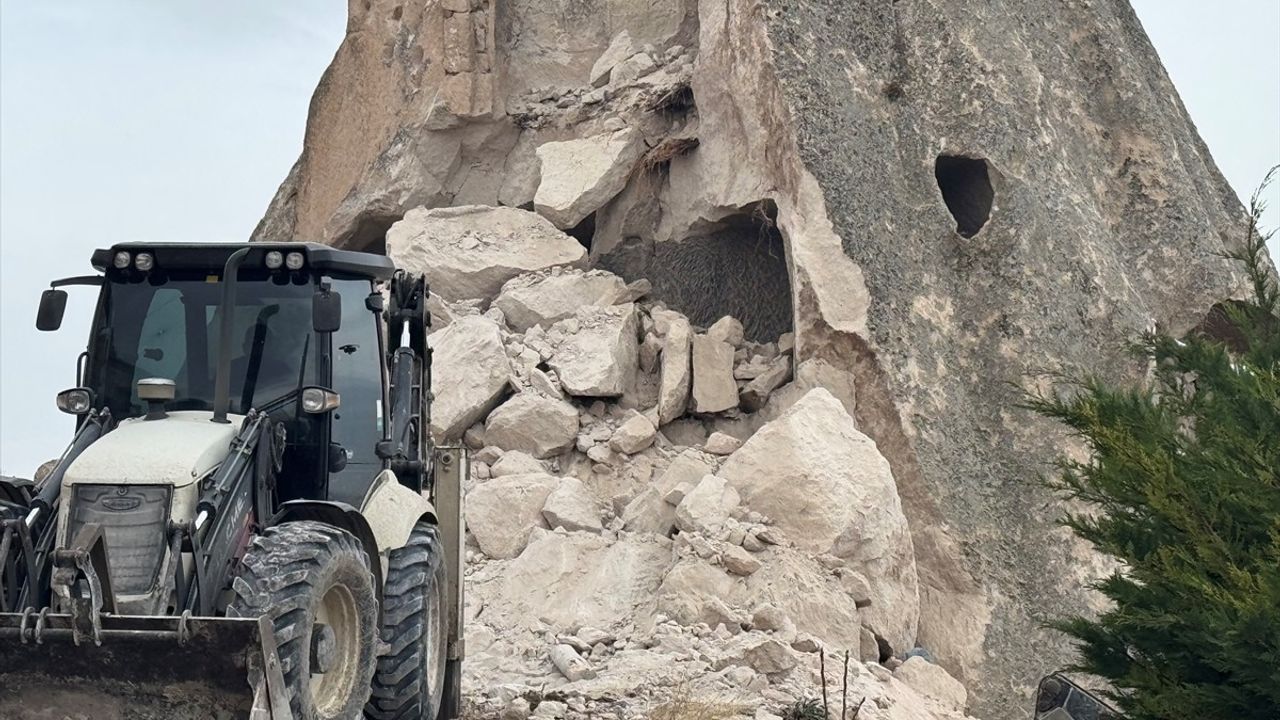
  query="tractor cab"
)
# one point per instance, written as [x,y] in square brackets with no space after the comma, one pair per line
[303,344]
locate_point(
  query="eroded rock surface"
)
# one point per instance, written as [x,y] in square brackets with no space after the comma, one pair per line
[910,208]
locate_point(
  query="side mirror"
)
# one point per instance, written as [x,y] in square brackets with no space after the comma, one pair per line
[326,311]
[53,304]
[1058,698]
[337,458]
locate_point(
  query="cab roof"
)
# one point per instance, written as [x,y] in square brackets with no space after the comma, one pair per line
[213,257]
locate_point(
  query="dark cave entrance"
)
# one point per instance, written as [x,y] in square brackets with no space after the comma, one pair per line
[735,266]
[966,189]
[369,234]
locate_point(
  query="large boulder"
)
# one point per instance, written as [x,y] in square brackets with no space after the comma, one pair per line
[545,297]
[579,176]
[597,351]
[933,682]
[714,389]
[676,370]
[469,372]
[828,489]
[470,251]
[502,511]
[535,424]
[575,579]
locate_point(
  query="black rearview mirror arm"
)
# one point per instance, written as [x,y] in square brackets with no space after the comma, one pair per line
[222,381]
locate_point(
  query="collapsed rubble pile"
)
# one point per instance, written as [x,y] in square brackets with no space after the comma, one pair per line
[654,507]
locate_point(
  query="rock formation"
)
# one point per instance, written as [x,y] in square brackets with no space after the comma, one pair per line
[907,208]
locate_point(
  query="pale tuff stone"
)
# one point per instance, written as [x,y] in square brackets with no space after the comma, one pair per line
[502,511]
[571,664]
[762,654]
[649,512]
[933,682]
[726,330]
[722,444]
[707,506]
[533,424]
[620,48]
[756,393]
[676,369]
[714,389]
[738,561]
[545,297]
[470,251]
[598,351]
[868,648]
[516,462]
[633,435]
[828,489]
[579,176]
[470,373]
[570,506]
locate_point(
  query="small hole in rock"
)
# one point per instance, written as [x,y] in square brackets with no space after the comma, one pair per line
[966,189]
[584,231]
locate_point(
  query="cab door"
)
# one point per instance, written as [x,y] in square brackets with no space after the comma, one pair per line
[357,372]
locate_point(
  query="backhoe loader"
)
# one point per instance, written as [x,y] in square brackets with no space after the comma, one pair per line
[251,520]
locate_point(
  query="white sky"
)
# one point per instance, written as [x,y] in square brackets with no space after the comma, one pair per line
[176,119]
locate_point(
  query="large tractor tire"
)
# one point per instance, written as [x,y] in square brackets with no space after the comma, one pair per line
[411,680]
[313,581]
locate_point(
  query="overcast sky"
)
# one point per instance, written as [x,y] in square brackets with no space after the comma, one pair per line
[176,119]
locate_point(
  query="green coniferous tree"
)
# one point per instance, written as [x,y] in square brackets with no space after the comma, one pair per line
[1184,479]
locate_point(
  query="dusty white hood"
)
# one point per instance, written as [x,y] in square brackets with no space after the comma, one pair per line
[176,450]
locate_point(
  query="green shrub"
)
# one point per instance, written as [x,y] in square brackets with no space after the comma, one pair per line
[1184,481]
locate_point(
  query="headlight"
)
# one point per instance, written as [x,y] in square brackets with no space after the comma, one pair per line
[316,400]
[122,260]
[76,401]
[144,262]
[294,261]
[274,260]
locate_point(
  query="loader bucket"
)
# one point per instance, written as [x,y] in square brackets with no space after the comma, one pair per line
[144,668]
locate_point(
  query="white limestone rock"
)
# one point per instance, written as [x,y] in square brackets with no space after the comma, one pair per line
[470,373]
[676,369]
[580,176]
[706,508]
[827,488]
[570,506]
[597,351]
[543,298]
[714,389]
[933,682]
[470,251]
[535,424]
[501,513]
[620,48]
[633,435]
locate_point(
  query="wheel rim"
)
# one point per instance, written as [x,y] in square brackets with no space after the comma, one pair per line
[435,643]
[331,690]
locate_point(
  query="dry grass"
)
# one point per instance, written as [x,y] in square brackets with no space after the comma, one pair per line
[682,706]
[665,151]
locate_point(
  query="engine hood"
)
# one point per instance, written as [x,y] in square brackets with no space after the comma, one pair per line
[177,450]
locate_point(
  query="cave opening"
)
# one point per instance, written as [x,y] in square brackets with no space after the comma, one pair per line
[369,233]
[736,265]
[584,231]
[965,183]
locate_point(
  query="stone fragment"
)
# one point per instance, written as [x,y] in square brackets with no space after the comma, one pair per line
[828,489]
[714,389]
[676,494]
[677,370]
[551,710]
[650,350]
[570,664]
[501,512]
[688,467]
[726,330]
[470,251]
[738,561]
[534,424]
[933,682]
[722,444]
[470,374]
[598,351]
[707,506]
[806,644]
[762,654]
[756,393]
[632,69]
[686,432]
[868,648]
[620,48]
[516,462]
[649,512]
[570,506]
[633,435]
[543,298]
[580,176]
[473,438]
[542,382]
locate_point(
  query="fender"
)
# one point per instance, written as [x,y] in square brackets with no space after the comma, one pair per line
[391,509]
[339,515]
